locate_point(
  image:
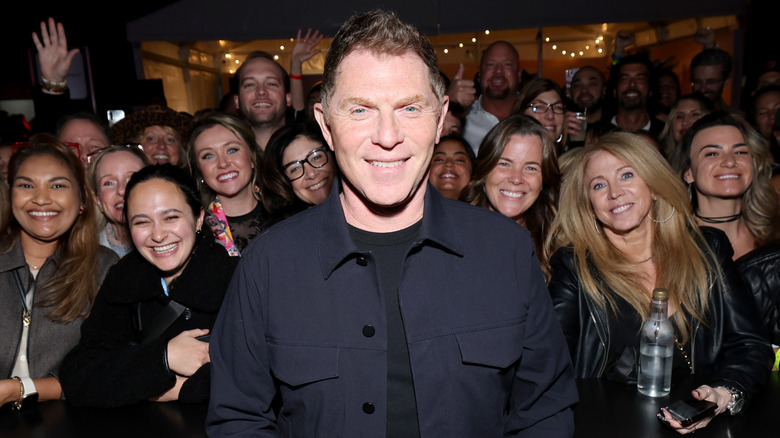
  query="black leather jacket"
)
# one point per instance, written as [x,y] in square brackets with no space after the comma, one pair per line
[761,270]
[732,351]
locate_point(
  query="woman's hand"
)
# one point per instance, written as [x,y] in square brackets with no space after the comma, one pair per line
[53,54]
[186,354]
[9,391]
[720,396]
[173,393]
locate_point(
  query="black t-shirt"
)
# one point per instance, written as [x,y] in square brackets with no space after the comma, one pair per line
[389,251]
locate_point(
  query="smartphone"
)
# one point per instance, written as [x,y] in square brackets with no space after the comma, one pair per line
[690,410]
[204,338]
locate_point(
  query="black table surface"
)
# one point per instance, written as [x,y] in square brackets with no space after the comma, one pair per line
[606,409]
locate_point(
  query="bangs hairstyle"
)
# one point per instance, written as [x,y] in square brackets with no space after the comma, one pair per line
[605,272]
[539,216]
[72,289]
[381,33]
[240,129]
[278,196]
[760,210]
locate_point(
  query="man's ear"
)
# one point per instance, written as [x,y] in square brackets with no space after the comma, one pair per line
[236,102]
[445,106]
[319,115]
[288,97]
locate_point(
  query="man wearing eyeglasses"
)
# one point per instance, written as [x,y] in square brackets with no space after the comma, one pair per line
[632,90]
[388,310]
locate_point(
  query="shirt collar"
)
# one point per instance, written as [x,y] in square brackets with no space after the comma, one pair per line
[336,246]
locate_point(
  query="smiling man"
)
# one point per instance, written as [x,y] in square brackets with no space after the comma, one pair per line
[263,95]
[499,79]
[632,90]
[388,310]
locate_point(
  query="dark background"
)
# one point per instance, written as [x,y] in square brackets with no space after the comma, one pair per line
[102,28]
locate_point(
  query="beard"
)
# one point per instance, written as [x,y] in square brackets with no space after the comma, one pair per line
[632,103]
[593,107]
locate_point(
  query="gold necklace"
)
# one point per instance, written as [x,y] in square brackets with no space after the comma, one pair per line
[684,353]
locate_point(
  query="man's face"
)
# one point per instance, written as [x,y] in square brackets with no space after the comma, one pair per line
[382,122]
[499,72]
[767,105]
[632,86]
[709,81]
[262,98]
[587,89]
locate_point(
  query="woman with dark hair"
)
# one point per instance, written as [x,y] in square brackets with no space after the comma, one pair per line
[51,267]
[451,165]
[108,174]
[223,160]
[517,175]
[684,113]
[298,170]
[625,228]
[144,338]
[725,163]
[542,99]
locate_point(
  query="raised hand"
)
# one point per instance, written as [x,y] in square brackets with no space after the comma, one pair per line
[305,47]
[462,90]
[53,54]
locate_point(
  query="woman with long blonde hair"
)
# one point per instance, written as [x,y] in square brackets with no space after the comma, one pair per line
[625,228]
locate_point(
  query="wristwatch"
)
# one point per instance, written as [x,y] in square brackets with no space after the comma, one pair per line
[737,400]
[28,395]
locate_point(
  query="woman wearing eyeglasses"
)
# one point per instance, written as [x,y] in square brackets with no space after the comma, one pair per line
[542,99]
[223,159]
[298,170]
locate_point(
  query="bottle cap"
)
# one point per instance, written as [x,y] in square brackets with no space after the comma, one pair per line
[660,294]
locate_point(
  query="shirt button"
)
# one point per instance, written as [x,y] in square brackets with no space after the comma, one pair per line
[368,408]
[368,331]
[361,260]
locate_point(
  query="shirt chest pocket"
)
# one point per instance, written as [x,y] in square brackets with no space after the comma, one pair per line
[297,365]
[498,347]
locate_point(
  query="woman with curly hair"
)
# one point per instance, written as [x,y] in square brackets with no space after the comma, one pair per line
[517,175]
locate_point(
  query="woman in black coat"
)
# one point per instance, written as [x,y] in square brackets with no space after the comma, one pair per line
[128,352]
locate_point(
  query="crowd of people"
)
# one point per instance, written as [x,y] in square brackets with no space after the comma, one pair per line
[390,234]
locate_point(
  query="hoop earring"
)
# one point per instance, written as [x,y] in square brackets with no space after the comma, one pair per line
[665,220]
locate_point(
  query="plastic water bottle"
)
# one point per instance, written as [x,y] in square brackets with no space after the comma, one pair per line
[656,348]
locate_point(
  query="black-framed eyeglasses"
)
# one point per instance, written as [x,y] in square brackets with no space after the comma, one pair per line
[541,108]
[316,159]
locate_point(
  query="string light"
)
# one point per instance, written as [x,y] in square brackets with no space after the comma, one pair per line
[487,32]
[460,45]
[547,39]
[281,47]
[473,40]
[228,55]
[446,50]
[555,47]
[276,57]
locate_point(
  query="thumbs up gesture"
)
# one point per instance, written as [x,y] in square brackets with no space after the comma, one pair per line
[462,90]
